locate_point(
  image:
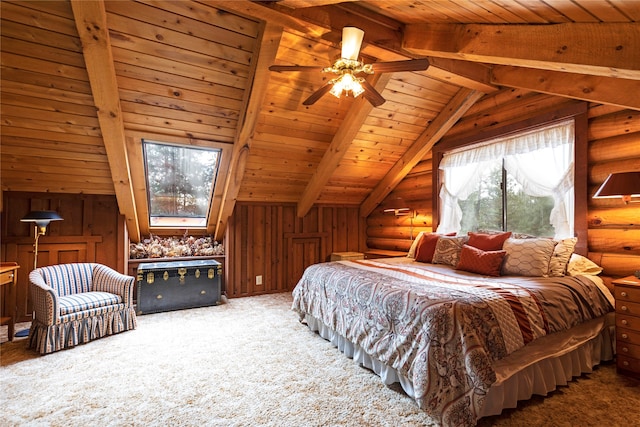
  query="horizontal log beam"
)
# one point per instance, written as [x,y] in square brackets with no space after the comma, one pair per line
[600,49]
[599,89]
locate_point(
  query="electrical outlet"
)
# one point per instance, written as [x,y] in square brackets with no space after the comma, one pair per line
[259,280]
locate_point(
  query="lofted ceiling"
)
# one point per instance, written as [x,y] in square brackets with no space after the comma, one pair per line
[84,82]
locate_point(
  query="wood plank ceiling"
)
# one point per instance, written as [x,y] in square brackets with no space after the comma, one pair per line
[84,82]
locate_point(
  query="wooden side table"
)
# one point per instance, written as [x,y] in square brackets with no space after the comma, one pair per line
[627,294]
[8,280]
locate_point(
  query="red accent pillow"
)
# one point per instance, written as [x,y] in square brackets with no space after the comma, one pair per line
[488,242]
[476,260]
[427,246]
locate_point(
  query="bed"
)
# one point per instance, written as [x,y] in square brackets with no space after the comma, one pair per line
[463,345]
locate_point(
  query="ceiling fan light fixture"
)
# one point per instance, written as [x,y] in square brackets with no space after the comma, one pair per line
[351,42]
[346,84]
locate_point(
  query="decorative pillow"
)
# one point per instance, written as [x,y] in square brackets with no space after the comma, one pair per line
[561,255]
[582,265]
[488,241]
[427,246]
[527,257]
[476,260]
[448,250]
[414,245]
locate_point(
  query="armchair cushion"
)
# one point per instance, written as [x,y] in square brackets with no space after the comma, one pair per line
[86,301]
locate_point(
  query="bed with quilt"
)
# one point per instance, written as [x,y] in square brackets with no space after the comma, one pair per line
[467,325]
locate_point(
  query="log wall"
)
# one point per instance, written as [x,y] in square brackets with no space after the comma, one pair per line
[269,240]
[614,146]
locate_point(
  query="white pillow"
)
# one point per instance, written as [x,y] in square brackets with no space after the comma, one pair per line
[582,265]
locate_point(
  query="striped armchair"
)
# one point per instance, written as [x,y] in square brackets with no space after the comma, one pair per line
[76,303]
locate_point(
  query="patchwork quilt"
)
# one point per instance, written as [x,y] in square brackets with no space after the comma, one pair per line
[439,327]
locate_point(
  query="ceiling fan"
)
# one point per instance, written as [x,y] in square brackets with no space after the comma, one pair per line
[348,66]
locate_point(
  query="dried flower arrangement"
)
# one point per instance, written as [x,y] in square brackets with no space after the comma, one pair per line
[185,246]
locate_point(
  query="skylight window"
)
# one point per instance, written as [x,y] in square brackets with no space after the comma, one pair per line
[180,182]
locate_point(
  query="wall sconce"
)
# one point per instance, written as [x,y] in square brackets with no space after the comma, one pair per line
[624,185]
[41,220]
[398,207]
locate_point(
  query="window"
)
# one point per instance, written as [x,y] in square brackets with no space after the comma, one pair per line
[522,183]
[180,182]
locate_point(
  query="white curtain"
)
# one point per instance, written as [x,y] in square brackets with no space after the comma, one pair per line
[541,160]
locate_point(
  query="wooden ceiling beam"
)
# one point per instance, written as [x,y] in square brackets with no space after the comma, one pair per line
[341,141]
[600,49]
[91,22]
[269,43]
[450,114]
[462,73]
[605,90]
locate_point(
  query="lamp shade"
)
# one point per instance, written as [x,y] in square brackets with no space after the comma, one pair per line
[623,184]
[351,42]
[41,218]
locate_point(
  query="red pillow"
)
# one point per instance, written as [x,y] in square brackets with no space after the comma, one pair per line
[488,242]
[476,260]
[427,246]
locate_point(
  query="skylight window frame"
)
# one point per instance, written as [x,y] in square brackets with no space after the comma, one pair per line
[182,223]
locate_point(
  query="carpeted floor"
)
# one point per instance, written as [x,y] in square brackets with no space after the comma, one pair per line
[249,362]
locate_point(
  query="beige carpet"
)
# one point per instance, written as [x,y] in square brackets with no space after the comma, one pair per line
[249,363]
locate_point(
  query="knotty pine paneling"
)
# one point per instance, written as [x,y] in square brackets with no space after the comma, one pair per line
[92,230]
[614,146]
[269,240]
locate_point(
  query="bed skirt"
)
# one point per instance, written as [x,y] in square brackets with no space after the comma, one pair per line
[536,369]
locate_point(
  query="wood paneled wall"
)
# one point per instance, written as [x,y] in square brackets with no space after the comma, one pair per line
[614,146]
[269,240]
[92,230]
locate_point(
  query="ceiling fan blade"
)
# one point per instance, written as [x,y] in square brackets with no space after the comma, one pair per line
[317,94]
[351,42]
[280,68]
[396,66]
[372,95]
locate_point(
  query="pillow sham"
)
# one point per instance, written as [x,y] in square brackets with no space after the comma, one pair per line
[476,260]
[488,241]
[448,250]
[561,255]
[579,264]
[427,246]
[528,257]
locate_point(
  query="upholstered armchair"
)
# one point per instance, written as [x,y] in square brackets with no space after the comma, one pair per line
[77,303]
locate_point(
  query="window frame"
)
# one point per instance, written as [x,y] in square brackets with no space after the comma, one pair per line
[578,112]
[214,183]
